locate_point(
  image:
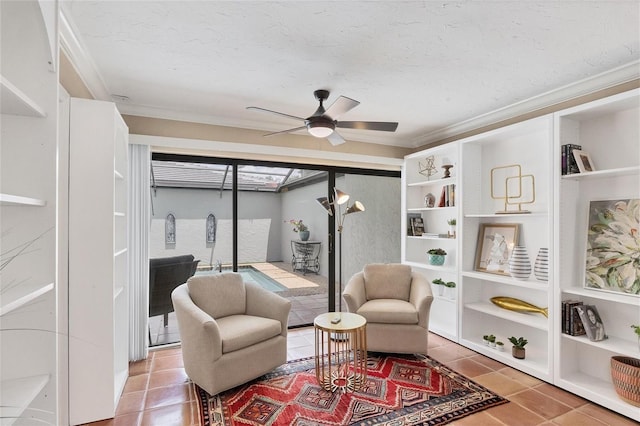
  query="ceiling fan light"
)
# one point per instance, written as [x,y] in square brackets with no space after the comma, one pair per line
[321,129]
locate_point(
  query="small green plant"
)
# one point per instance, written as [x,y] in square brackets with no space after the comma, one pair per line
[439,251]
[450,284]
[485,337]
[636,329]
[438,281]
[451,222]
[491,338]
[499,343]
[519,342]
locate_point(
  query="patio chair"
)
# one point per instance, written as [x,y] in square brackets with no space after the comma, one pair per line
[165,274]
[305,256]
[232,331]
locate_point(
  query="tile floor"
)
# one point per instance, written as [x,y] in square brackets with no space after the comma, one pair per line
[158,394]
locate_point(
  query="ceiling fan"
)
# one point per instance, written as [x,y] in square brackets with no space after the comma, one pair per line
[323,123]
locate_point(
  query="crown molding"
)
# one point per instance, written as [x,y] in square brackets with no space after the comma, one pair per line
[81,60]
[589,85]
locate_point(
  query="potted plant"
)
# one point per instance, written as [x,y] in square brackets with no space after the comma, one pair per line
[450,285]
[636,329]
[436,256]
[485,339]
[452,227]
[492,341]
[500,346]
[300,228]
[441,284]
[518,346]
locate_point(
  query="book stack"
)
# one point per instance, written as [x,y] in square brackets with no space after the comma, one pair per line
[448,196]
[568,161]
[571,322]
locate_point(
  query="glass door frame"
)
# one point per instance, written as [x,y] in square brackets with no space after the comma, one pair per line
[332,173]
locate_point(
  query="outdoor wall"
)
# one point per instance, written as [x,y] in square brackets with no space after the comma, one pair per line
[259,225]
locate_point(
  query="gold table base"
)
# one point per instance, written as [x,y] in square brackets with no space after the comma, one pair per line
[341,351]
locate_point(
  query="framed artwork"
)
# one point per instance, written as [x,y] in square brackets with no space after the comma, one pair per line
[613,253]
[592,323]
[211,228]
[170,229]
[494,246]
[583,160]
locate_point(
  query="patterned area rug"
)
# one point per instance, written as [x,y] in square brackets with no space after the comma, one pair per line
[400,390]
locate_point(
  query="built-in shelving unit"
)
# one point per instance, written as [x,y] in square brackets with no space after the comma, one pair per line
[416,187]
[30,314]
[98,313]
[609,130]
[527,144]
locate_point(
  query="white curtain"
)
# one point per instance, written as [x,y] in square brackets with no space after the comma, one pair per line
[139,223]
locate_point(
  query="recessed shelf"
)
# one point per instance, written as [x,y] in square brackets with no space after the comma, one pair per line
[17,395]
[531,364]
[612,344]
[422,209]
[443,181]
[13,299]
[15,102]
[429,237]
[627,299]
[600,174]
[497,215]
[503,279]
[531,320]
[17,200]
[432,267]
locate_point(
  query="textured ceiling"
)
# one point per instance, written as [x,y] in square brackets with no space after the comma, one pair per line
[425,64]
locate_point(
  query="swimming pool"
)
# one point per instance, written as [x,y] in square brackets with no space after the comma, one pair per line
[250,274]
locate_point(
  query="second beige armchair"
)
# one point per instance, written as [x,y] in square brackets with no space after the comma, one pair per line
[395,302]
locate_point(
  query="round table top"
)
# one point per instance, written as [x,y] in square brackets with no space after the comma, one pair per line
[348,321]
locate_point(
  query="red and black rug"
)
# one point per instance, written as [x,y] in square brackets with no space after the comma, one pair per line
[400,390]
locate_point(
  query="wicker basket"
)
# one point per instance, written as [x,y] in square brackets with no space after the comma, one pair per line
[625,373]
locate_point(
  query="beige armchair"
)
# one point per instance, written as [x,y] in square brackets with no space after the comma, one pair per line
[396,303]
[231,331]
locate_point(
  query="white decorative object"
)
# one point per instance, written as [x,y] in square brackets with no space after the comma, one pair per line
[519,263]
[541,266]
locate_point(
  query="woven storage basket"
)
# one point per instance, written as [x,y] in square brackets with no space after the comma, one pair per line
[625,373]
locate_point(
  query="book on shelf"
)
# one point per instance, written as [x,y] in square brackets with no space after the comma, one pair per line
[568,161]
[410,217]
[592,322]
[571,322]
[447,196]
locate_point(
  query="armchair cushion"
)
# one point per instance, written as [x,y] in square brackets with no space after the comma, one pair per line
[389,311]
[378,277]
[219,295]
[241,331]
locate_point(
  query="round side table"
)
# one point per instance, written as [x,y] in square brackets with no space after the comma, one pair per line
[341,351]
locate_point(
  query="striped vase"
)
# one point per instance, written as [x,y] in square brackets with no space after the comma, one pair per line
[519,263]
[541,265]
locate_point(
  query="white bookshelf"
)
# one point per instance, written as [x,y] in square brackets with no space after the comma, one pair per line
[30,313]
[99,316]
[443,318]
[609,130]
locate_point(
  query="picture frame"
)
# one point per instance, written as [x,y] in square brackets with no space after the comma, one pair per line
[583,160]
[609,264]
[494,246]
[593,325]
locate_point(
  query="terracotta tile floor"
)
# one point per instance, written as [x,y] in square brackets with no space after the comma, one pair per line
[157,392]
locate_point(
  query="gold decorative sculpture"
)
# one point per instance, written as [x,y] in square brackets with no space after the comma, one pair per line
[428,168]
[509,198]
[518,305]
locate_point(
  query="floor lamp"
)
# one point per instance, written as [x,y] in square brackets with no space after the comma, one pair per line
[334,207]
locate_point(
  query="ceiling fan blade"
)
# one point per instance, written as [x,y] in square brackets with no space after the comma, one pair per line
[340,106]
[384,126]
[286,131]
[276,112]
[335,138]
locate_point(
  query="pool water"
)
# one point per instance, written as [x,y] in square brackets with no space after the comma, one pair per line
[250,274]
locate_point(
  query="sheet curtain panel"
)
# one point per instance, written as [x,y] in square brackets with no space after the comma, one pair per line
[139,225]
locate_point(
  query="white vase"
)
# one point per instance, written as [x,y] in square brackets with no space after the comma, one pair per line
[541,265]
[519,263]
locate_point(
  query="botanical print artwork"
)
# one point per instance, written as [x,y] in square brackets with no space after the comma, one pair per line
[613,246]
